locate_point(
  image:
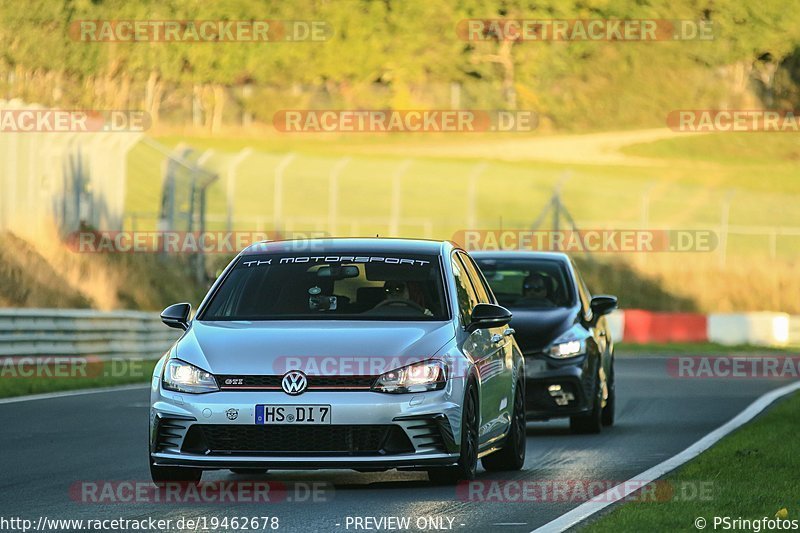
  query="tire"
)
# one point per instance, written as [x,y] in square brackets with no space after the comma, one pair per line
[467,464]
[512,455]
[610,408]
[249,471]
[591,422]
[161,475]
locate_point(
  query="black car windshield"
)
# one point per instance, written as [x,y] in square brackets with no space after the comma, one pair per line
[529,283]
[333,286]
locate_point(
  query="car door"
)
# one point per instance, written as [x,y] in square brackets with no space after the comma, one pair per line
[495,368]
[598,329]
[477,345]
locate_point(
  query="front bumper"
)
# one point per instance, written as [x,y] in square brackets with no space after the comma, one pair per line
[410,461]
[367,430]
[556,389]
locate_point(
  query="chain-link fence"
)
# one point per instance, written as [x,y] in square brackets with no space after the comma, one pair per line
[70,179]
[359,195]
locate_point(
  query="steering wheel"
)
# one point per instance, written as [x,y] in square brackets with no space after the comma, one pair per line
[407,303]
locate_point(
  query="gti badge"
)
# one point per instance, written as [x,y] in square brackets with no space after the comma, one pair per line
[232,414]
[294,382]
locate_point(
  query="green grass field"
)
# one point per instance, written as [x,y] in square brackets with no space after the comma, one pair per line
[693,348]
[751,473]
[686,184]
[96,375]
[678,182]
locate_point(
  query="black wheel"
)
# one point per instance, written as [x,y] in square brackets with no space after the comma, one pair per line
[250,471]
[609,409]
[592,421]
[162,475]
[512,455]
[467,464]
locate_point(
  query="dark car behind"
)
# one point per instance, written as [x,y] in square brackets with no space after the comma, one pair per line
[563,333]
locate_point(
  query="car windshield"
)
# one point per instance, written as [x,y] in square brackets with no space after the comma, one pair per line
[528,283]
[334,286]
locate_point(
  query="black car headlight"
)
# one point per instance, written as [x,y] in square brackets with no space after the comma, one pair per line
[567,349]
[181,376]
[419,377]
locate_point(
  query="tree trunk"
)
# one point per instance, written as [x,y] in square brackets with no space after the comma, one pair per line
[219,105]
[152,98]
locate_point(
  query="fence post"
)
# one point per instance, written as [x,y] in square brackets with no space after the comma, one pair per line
[645,217]
[723,231]
[230,184]
[397,184]
[333,194]
[277,196]
[472,194]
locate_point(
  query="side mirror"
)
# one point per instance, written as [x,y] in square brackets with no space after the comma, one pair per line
[603,304]
[488,316]
[177,315]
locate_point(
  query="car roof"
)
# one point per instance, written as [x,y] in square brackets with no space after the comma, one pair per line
[519,254]
[352,245]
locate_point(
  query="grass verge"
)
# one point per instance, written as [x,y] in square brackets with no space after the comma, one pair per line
[752,474]
[94,375]
[694,348]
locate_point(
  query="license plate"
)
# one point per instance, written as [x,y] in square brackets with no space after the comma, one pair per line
[293,414]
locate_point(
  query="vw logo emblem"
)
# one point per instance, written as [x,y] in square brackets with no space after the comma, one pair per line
[294,382]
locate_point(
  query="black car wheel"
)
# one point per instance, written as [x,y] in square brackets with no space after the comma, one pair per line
[609,409]
[512,455]
[592,421]
[467,464]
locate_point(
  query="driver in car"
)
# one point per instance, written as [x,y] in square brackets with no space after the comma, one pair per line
[535,291]
[398,296]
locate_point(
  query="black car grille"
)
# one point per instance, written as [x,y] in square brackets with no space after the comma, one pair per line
[291,440]
[314,382]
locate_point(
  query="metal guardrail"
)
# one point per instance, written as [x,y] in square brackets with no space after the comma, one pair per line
[83,332]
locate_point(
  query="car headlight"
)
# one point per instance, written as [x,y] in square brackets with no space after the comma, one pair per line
[419,377]
[180,376]
[567,349]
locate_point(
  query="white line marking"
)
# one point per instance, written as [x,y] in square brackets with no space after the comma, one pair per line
[64,394]
[621,491]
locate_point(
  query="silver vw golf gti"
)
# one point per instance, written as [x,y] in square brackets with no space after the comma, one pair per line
[365,354]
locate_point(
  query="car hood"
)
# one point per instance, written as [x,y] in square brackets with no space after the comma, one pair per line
[272,347]
[536,329]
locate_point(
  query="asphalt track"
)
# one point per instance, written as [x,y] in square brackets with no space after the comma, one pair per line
[50,446]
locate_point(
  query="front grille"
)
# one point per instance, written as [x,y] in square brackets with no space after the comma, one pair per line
[314,382]
[287,439]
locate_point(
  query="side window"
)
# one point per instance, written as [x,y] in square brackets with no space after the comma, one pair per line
[465,294]
[484,294]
